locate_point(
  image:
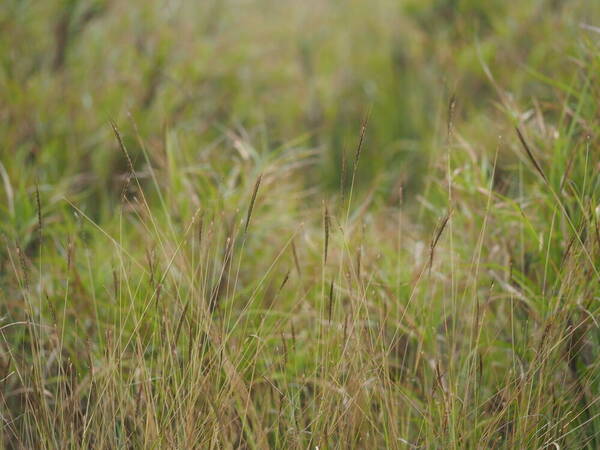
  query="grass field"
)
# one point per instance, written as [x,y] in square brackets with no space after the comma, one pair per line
[300,224]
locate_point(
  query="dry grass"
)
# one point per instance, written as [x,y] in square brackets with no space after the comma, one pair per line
[205,283]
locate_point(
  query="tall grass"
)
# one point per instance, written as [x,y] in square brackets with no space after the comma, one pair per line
[194,277]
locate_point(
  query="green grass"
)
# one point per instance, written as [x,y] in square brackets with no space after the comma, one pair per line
[253,224]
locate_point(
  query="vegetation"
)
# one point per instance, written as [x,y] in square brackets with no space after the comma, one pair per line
[315,224]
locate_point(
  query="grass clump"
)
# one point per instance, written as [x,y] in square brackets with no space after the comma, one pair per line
[241,226]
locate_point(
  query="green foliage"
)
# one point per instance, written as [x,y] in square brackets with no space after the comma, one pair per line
[436,287]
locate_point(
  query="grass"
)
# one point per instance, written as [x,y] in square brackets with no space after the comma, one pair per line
[299,224]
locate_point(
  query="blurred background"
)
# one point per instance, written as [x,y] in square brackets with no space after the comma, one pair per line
[234,80]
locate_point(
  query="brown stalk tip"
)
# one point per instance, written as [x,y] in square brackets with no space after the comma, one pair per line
[451,106]
[534,161]
[23,263]
[122,145]
[436,237]
[363,130]
[252,201]
[285,280]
